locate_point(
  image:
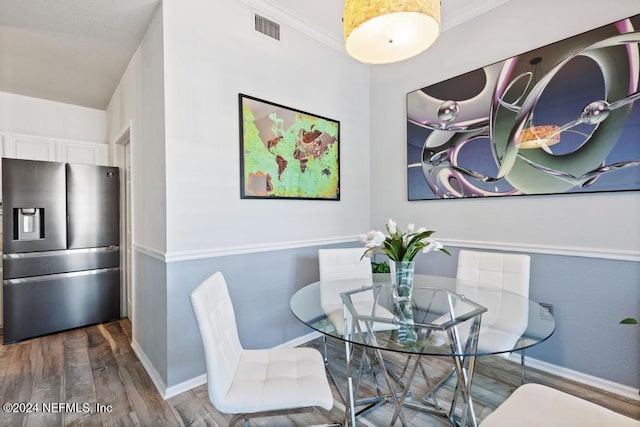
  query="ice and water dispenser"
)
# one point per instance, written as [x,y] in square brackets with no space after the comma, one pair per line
[28,223]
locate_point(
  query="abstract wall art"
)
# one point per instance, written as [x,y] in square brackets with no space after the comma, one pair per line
[561,119]
[287,153]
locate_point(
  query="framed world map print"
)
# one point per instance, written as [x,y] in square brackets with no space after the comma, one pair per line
[287,153]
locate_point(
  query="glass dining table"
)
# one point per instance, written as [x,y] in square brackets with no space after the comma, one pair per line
[444,317]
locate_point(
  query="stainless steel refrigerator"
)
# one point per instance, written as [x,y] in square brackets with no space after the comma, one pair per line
[61,256]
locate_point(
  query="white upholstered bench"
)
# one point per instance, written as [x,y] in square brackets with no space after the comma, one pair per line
[535,405]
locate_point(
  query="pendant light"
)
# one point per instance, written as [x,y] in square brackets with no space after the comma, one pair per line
[538,136]
[385,31]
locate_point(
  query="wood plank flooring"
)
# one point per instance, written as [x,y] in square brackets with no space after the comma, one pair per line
[88,369]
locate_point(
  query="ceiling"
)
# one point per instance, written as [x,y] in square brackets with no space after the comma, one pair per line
[323,19]
[75,51]
[71,51]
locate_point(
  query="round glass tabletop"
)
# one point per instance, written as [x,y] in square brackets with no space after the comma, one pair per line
[438,320]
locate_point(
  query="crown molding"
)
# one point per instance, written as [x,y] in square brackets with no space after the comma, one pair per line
[284,16]
[451,19]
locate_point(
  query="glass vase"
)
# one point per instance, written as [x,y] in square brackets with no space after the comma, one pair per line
[402,278]
[402,273]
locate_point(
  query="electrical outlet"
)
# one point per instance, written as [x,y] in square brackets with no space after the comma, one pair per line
[546,311]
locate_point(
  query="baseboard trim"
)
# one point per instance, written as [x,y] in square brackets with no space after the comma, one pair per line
[169,392]
[301,340]
[165,392]
[174,390]
[156,379]
[570,374]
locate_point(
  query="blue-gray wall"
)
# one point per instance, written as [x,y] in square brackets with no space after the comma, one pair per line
[260,284]
[150,302]
[589,297]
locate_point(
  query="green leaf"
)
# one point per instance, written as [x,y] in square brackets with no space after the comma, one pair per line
[396,249]
[629,321]
[415,245]
[412,251]
[419,237]
[380,267]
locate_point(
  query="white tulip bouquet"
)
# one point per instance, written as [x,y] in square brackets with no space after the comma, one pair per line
[398,245]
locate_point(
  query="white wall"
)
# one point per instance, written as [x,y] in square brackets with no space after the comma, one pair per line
[180,94]
[138,102]
[183,106]
[138,105]
[33,116]
[212,53]
[590,296]
[607,223]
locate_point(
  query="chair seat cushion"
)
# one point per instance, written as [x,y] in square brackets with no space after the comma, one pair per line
[490,339]
[279,378]
[535,405]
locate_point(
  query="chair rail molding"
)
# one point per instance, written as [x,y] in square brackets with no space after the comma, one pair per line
[584,252]
[249,249]
[602,253]
[153,253]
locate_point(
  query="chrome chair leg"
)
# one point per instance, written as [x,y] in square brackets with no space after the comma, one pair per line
[247,417]
[330,371]
[522,365]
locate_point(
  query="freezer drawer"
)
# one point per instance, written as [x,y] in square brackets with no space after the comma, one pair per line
[93,206]
[42,305]
[53,262]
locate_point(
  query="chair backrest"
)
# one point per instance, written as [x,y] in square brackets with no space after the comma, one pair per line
[344,263]
[507,317]
[347,265]
[217,323]
[498,270]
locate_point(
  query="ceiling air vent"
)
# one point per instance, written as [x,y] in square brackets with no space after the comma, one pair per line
[267,27]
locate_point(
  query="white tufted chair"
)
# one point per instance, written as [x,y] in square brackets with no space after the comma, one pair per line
[538,405]
[344,263]
[506,320]
[348,264]
[252,383]
[495,270]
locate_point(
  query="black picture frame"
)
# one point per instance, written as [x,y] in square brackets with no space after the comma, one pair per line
[286,153]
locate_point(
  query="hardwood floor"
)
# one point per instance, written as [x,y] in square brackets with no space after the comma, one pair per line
[91,376]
